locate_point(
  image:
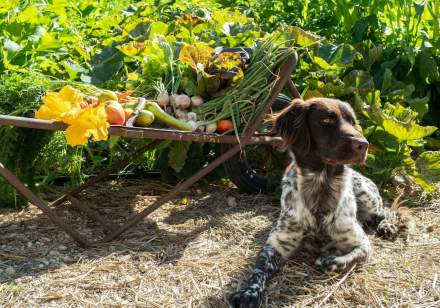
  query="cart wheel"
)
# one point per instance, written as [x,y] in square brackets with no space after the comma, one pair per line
[251,169]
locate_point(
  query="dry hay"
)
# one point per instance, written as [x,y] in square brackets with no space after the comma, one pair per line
[195,254]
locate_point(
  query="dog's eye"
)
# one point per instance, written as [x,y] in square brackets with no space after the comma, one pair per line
[328,121]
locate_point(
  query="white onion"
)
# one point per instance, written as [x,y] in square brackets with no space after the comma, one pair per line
[193,125]
[182,101]
[163,99]
[192,116]
[173,99]
[211,128]
[181,114]
[196,100]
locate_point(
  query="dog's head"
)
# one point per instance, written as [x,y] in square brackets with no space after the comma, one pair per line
[323,129]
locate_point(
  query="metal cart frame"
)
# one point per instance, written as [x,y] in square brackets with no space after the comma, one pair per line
[158,135]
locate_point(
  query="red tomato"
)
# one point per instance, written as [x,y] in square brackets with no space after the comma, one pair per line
[224,125]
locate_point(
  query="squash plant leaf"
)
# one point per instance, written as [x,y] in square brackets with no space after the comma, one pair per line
[428,164]
[178,154]
[427,66]
[197,55]
[406,131]
[304,38]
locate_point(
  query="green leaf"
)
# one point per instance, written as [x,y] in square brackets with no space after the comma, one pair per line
[72,68]
[48,43]
[374,54]
[132,49]
[403,131]
[364,27]
[427,66]
[420,180]
[338,54]
[197,55]
[106,64]
[428,164]
[420,105]
[406,131]
[359,79]
[387,79]
[178,154]
[304,38]
[158,28]
[324,65]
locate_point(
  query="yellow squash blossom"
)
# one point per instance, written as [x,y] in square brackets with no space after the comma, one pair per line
[83,123]
[57,106]
[90,122]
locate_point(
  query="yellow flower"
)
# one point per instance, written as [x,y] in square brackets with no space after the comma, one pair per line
[90,122]
[64,104]
[83,123]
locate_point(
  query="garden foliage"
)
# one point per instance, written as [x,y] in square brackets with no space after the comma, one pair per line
[381,56]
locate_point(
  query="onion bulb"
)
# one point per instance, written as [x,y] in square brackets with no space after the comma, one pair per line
[196,100]
[163,99]
[182,101]
[193,125]
[192,116]
[211,128]
[181,114]
[173,99]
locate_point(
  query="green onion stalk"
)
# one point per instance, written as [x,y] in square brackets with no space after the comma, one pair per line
[245,101]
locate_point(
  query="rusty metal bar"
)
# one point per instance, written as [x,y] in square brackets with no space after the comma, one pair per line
[286,68]
[283,76]
[292,88]
[19,186]
[108,226]
[135,132]
[133,220]
[115,167]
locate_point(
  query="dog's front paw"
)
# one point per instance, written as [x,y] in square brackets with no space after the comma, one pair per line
[246,298]
[330,264]
[387,230]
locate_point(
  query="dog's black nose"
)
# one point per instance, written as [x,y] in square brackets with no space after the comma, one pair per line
[359,145]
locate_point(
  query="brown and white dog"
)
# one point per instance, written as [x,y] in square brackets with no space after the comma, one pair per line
[324,202]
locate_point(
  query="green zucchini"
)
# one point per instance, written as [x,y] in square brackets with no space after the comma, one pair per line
[164,117]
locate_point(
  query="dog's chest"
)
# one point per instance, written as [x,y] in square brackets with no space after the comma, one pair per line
[321,195]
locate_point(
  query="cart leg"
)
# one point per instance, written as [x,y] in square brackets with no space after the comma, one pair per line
[22,189]
[132,221]
[292,88]
[115,167]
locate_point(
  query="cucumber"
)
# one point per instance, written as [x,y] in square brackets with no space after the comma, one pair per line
[164,117]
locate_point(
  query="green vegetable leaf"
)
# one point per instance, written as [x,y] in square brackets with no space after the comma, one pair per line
[428,164]
[406,131]
[427,66]
[420,105]
[178,154]
[337,54]
[196,55]
[304,38]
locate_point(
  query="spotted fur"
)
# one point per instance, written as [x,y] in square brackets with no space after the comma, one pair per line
[323,205]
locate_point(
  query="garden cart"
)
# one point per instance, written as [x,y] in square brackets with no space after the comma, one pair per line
[232,145]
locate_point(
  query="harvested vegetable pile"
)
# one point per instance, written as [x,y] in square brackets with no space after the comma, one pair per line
[229,89]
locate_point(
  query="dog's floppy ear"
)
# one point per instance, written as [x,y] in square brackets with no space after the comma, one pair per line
[291,125]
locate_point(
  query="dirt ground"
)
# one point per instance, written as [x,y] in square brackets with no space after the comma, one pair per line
[193,252]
